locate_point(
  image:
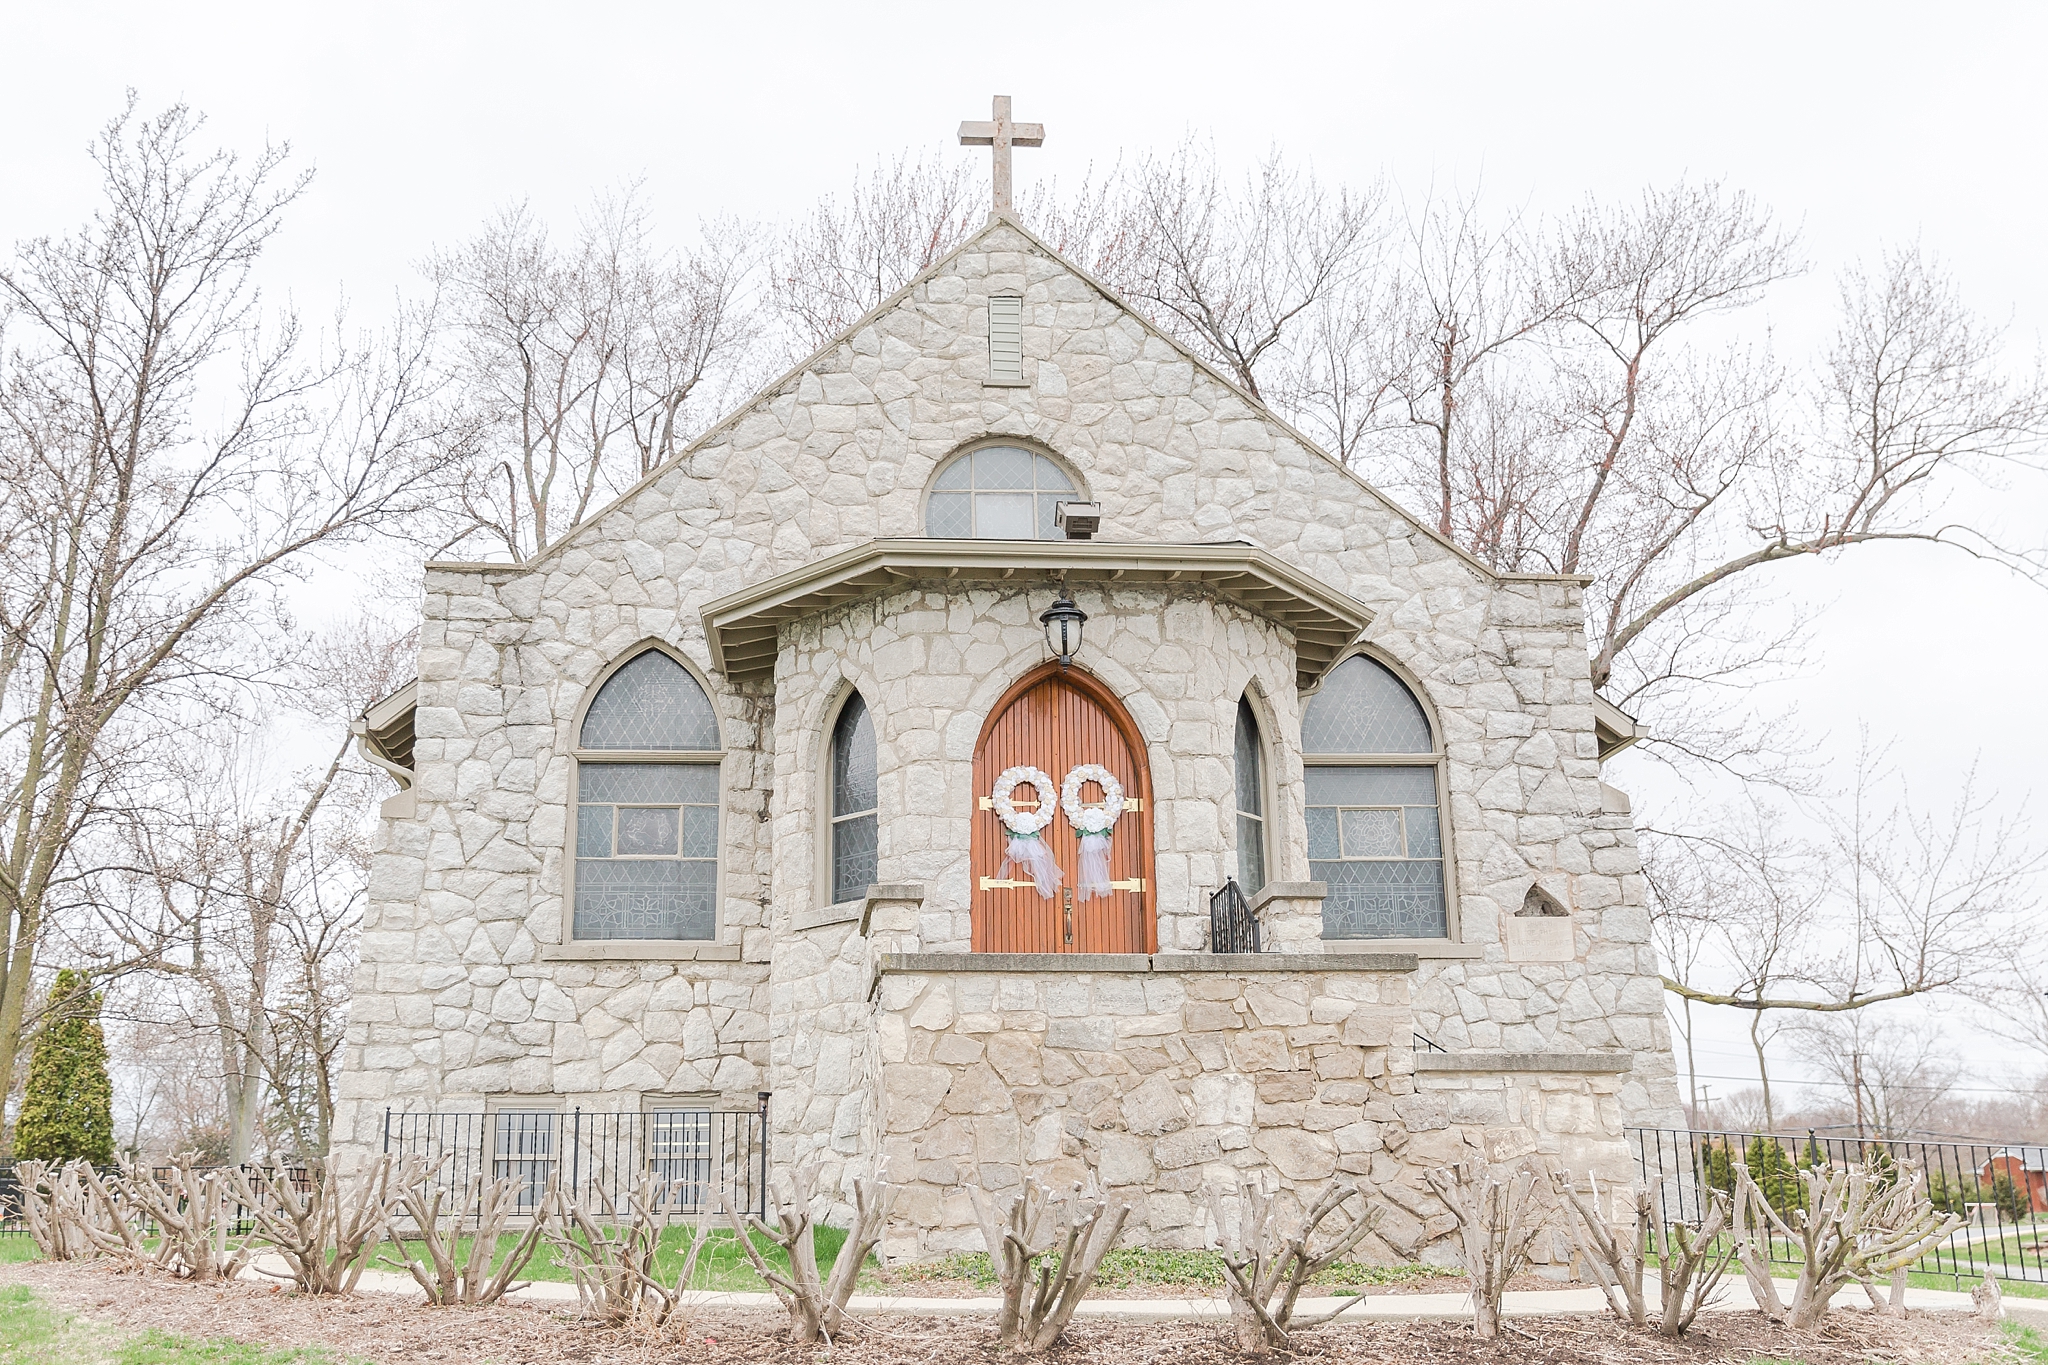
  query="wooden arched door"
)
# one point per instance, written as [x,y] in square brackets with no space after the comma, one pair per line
[1055,720]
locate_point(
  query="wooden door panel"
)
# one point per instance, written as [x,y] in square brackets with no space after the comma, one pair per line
[1055,720]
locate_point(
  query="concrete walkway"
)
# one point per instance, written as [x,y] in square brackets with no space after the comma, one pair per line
[1734,1297]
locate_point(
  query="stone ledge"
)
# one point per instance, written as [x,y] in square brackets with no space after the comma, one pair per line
[1417,947]
[1289,890]
[1068,964]
[908,892]
[1282,962]
[817,917]
[641,950]
[1606,1063]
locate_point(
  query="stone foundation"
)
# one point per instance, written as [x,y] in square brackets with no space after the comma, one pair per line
[1157,1077]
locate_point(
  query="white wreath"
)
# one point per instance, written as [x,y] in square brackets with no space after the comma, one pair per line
[1092,819]
[1024,822]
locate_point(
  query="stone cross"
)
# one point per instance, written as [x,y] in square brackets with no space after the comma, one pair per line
[1001,134]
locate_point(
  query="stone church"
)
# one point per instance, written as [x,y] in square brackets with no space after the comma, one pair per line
[895,758]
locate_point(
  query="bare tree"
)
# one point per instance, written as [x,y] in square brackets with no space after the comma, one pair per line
[1555,396]
[1235,271]
[158,537]
[244,892]
[167,1092]
[843,258]
[1895,1074]
[1850,1225]
[578,369]
[1042,1290]
[1896,902]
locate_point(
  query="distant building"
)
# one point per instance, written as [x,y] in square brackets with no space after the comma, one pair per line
[2028,1169]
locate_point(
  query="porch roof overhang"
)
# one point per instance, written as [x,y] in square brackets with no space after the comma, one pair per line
[384,731]
[742,628]
[1615,729]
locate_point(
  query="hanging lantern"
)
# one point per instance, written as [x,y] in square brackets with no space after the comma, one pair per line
[1063,621]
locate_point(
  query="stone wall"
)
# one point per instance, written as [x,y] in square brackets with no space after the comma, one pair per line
[1157,1078]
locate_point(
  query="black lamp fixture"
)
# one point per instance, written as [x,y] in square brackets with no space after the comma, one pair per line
[1062,621]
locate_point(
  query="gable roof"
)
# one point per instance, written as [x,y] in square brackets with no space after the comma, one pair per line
[997,222]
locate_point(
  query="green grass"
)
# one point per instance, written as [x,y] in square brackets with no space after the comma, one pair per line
[2025,1342]
[30,1330]
[166,1348]
[722,1266]
[1951,1281]
[14,1250]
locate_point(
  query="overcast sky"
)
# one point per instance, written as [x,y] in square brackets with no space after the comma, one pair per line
[1866,125]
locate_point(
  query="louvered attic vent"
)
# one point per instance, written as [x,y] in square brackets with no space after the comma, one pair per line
[1006,339]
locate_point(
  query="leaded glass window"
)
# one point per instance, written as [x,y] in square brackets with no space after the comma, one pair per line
[1362,708]
[997,493]
[1251,803]
[1374,828]
[854,801]
[651,703]
[647,834]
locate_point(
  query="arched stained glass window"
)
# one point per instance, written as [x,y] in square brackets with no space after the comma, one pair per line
[1374,832]
[1251,801]
[1362,708]
[647,830]
[997,493]
[651,703]
[854,801]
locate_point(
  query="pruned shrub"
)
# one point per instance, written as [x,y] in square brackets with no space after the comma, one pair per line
[1268,1260]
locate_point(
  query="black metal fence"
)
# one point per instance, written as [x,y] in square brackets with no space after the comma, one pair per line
[695,1155]
[2000,1191]
[1233,928]
[241,1220]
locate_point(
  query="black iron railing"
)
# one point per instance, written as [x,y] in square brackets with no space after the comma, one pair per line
[2000,1191]
[1233,928]
[241,1220]
[696,1156]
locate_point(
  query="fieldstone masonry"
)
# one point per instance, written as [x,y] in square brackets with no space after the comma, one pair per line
[876,1031]
[1154,1080]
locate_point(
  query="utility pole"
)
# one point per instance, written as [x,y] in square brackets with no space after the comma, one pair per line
[1856,1065]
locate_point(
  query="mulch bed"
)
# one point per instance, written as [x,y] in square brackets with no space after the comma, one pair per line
[390,1330]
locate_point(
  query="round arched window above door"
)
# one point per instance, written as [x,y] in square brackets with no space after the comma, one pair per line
[997,493]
